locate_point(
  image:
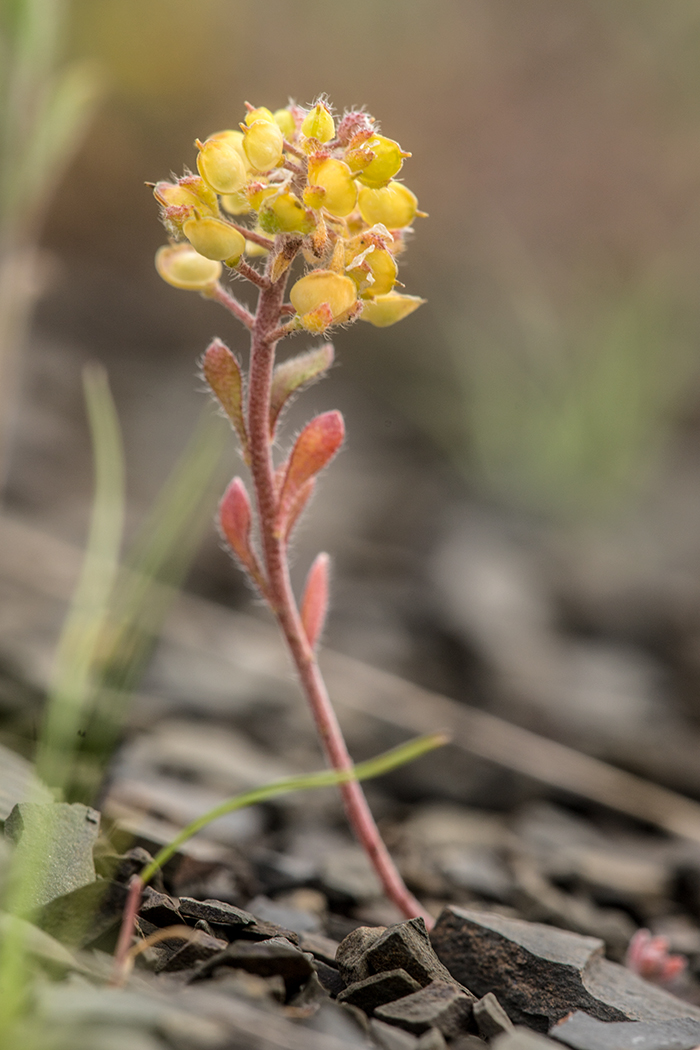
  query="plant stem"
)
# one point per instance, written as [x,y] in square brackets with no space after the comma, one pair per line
[282,602]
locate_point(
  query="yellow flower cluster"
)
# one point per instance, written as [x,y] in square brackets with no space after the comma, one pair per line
[303,179]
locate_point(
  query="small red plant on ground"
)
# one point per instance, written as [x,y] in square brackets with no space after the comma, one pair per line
[649,957]
[288,185]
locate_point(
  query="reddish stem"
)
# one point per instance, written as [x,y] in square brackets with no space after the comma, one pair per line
[230,303]
[126,932]
[282,602]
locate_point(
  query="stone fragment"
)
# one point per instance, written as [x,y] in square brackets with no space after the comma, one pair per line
[263,931]
[284,915]
[84,915]
[439,1005]
[329,977]
[351,955]
[433,1039]
[193,952]
[491,1019]
[160,908]
[54,843]
[520,1038]
[583,1032]
[407,946]
[389,1037]
[540,973]
[378,989]
[320,947]
[216,912]
[265,958]
[469,1042]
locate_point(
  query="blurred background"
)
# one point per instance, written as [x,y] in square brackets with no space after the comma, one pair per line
[516,518]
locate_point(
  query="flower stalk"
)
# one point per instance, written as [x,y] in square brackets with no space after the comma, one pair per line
[327,195]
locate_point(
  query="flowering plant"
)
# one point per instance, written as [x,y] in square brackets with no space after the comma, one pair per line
[287,185]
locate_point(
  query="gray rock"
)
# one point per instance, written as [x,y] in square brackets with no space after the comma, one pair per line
[81,917]
[522,1039]
[160,908]
[389,1037]
[54,843]
[407,946]
[583,1032]
[540,973]
[193,952]
[378,989]
[351,955]
[491,1019]
[217,912]
[329,977]
[284,915]
[320,947]
[438,1005]
[433,1039]
[265,958]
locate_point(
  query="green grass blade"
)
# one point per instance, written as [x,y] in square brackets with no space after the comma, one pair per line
[72,691]
[373,767]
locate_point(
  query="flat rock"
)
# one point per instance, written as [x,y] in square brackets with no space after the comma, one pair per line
[56,841]
[378,989]
[218,913]
[193,952]
[160,908]
[351,954]
[522,1039]
[265,958]
[320,947]
[82,916]
[491,1019]
[407,946]
[583,1032]
[439,1005]
[540,973]
[389,1037]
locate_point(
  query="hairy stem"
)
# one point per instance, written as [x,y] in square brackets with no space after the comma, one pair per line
[283,604]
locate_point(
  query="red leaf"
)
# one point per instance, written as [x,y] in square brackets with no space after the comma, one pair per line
[314,604]
[314,449]
[223,374]
[235,521]
[297,506]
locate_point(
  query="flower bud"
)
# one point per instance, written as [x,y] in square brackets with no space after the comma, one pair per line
[318,124]
[374,272]
[235,203]
[284,214]
[336,179]
[385,310]
[214,239]
[261,113]
[234,138]
[393,205]
[189,192]
[256,192]
[354,123]
[327,295]
[220,165]
[263,145]
[285,122]
[183,267]
[387,162]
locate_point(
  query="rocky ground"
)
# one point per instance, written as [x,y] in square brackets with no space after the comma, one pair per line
[559,822]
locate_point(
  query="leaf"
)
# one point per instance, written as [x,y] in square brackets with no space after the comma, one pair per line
[297,506]
[290,376]
[235,520]
[314,604]
[314,449]
[223,374]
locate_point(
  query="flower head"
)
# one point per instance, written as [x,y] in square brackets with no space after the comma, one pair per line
[302,182]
